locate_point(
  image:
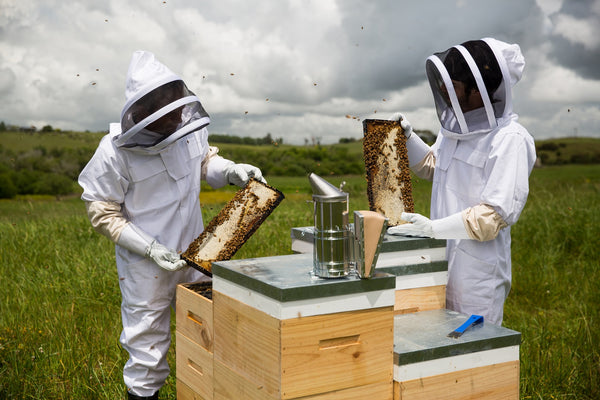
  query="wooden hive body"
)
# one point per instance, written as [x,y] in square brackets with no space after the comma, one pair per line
[259,337]
[277,341]
[481,364]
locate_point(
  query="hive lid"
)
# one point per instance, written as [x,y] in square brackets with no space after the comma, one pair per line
[415,269]
[390,242]
[423,336]
[288,278]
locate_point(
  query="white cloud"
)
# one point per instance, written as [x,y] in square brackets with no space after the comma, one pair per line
[583,31]
[316,61]
[554,83]
[549,7]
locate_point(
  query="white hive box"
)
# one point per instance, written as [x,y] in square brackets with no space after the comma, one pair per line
[419,265]
[483,363]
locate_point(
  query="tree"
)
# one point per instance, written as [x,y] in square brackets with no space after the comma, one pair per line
[8,190]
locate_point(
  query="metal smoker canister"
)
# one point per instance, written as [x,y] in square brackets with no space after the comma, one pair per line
[331,234]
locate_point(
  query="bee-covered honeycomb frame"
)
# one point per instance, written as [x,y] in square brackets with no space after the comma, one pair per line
[232,227]
[389,186]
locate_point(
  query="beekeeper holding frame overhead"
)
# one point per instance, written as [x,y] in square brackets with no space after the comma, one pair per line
[480,166]
[141,190]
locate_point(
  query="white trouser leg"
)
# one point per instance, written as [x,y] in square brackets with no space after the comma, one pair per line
[148,292]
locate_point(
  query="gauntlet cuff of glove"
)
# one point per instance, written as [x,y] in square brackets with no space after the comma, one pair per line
[451,227]
[134,239]
[215,171]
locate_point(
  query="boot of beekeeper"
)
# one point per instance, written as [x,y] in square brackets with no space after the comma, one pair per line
[141,189]
[480,166]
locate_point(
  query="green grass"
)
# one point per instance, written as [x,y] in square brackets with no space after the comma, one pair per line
[21,141]
[556,280]
[568,150]
[59,295]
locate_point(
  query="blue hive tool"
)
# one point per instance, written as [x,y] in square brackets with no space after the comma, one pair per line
[472,321]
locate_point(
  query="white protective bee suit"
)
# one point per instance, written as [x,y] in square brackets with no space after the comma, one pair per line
[480,166]
[141,190]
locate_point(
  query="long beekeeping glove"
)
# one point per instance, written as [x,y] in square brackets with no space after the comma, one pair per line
[416,148]
[107,218]
[404,123]
[137,241]
[451,227]
[240,174]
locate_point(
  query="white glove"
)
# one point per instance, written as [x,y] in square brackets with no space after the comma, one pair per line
[404,123]
[165,258]
[451,227]
[134,239]
[240,174]
[419,226]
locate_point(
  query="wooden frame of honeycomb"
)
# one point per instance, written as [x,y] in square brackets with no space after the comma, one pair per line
[389,187]
[233,226]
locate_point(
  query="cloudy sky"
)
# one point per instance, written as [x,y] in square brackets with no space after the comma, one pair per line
[297,69]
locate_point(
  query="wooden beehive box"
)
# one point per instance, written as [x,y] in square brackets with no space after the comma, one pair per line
[293,335]
[483,363]
[194,341]
[419,265]
[281,333]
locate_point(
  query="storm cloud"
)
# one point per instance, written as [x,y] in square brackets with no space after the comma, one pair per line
[295,69]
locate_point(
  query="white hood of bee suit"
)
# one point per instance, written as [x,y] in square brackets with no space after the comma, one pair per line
[146,74]
[511,55]
[497,110]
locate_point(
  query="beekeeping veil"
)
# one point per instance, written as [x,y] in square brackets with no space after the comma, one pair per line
[159,108]
[487,68]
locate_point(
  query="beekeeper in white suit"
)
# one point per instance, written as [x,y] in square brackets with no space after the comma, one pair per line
[480,166]
[141,190]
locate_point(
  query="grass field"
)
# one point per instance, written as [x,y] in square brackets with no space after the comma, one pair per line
[59,295]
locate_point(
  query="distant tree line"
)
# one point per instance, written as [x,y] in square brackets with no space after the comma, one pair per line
[14,128]
[41,171]
[300,160]
[267,140]
[54,170]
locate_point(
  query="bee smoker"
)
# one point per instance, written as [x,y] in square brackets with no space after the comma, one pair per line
[339,248]
[332,233]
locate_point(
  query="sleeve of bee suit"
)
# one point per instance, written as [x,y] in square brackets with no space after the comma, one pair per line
[212,168]
[482,222]
[106,218]
[420,157]
[424,168]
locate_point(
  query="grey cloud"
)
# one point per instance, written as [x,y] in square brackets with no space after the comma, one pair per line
[582,59]
[314,61]
[576,57]
[7,82]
